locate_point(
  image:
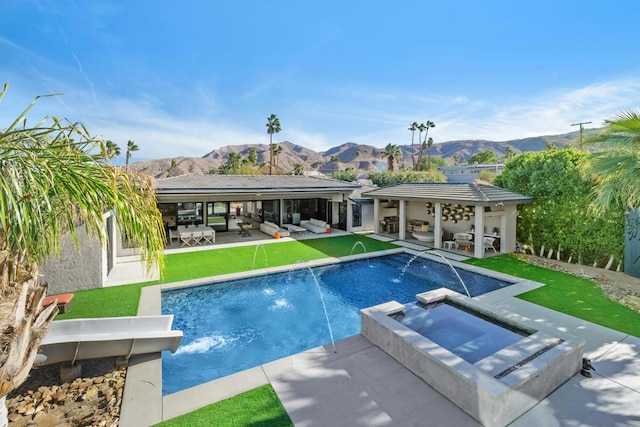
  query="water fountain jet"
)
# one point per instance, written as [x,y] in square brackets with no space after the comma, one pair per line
[435,252]
[255,253]
[324,307]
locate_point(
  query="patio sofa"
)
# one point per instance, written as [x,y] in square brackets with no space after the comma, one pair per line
[314,225]
[271,229]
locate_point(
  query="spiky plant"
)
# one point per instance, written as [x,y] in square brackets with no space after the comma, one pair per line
[55,178]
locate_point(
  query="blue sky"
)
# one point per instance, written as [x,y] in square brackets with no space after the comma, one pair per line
[184,78]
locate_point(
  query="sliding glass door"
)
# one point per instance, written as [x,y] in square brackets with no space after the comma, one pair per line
[217,215]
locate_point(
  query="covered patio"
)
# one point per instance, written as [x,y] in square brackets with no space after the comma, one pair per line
[473,218]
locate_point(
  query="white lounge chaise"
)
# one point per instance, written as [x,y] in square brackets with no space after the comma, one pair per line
[272,228]
[424,236]
[315,225]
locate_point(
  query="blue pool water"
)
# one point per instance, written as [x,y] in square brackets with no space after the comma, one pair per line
[232,326]
[462,333]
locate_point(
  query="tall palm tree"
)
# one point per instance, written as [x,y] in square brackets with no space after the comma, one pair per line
[423,145]
[421,128]
[391,152]
[131,147]
[616,167]
[413,128]
[112,149]
[429,144]
[273,126]
[49,185]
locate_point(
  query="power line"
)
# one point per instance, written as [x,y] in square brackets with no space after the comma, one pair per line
[580,124]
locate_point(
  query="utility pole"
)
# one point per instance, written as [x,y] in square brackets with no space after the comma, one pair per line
[580,124]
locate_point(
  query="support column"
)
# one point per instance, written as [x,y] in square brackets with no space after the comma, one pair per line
[376,215]
[504,244]
[437,227]
[402,226]
[478,250]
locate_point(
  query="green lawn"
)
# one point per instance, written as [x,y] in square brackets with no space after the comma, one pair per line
[257,407]
[123,300]
[567,294]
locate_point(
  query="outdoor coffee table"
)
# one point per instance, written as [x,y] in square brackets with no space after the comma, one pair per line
[294,229]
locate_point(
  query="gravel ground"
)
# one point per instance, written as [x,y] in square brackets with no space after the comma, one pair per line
[92,400]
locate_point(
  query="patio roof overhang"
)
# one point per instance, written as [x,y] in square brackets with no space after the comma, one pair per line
[470,194]
[247,187]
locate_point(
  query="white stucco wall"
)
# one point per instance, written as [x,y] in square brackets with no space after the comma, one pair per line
[75,269]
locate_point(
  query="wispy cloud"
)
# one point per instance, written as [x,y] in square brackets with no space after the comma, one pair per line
[320,118]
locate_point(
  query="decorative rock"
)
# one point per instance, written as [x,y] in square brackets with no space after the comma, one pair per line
[94,400]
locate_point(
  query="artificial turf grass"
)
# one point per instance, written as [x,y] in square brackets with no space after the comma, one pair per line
[194,265]
[566,293]
[123,300]
[257,407]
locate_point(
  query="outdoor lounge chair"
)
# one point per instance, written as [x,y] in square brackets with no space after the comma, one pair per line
[424,236]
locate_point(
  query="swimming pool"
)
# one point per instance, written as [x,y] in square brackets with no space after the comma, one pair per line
[232,326]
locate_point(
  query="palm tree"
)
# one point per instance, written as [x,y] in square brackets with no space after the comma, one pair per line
[112,149]
[273,126]
[50,185]
[429,144]
[276,149]
[413,128]
[252,156]
[421,128]
[391,152]
[423,145]
[131,147]
[298,169]
[615,167]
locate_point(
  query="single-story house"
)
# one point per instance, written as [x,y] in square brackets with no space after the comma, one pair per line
[446,209]
[219,201]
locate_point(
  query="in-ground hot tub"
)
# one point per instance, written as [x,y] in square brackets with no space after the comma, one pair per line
[489,366]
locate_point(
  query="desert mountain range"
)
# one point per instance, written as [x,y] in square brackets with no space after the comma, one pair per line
[350,154]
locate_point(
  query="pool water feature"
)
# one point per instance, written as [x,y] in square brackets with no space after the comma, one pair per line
[494,369]
[232,326]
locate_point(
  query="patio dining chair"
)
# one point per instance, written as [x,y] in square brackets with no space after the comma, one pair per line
[174,235]
[463,239]
[209,236]
[487,243]
[185,238]
[196,237]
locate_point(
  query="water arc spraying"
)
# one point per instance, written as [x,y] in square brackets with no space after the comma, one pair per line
[255,253]
[452,268]
[364,248]
[324,307]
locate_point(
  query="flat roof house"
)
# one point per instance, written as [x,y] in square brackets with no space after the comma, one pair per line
[220,201]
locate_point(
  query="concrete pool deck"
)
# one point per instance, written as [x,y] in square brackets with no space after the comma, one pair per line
[362,385]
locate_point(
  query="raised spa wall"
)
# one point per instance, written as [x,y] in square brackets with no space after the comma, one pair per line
[495,390]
